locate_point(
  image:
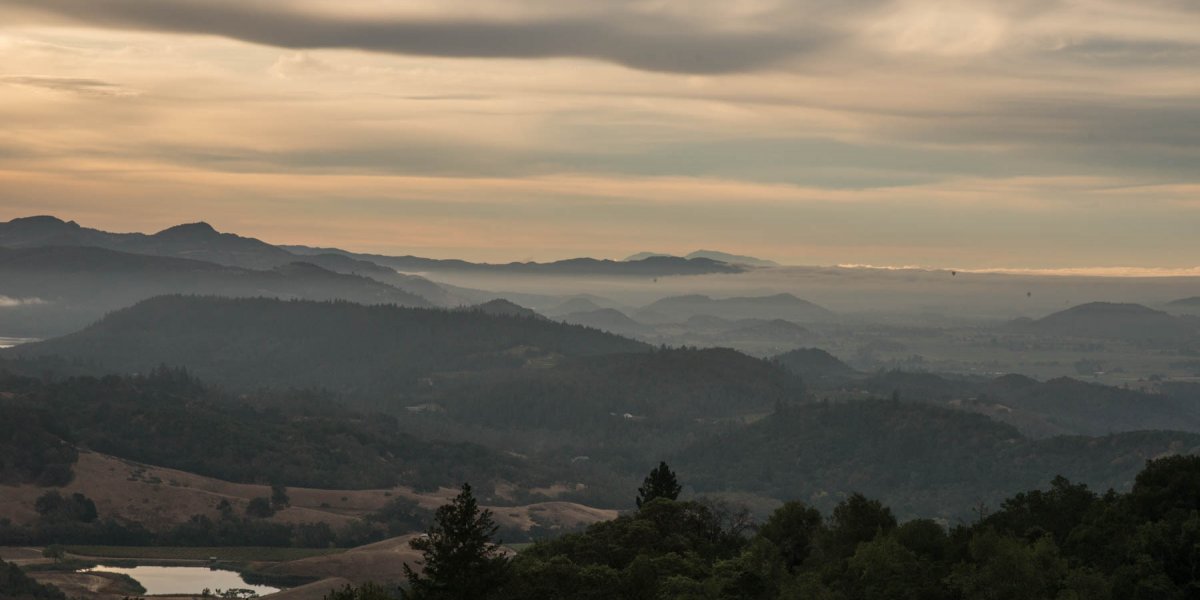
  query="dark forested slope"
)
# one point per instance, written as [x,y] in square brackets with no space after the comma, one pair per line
[363,352]
[922,460]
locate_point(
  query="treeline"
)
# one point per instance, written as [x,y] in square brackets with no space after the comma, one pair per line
[74,519]
[168,418]
[1063,543]
[32,449]
[922,460]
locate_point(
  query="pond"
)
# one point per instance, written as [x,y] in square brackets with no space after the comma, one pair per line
[9,342]
[186,580]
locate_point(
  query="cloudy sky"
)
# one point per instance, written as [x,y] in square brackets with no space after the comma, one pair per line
[966,133]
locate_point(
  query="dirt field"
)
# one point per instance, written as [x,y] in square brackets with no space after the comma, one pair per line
[382,562]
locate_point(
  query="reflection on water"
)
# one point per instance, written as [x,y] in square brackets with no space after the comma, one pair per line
[186,580]
[9,342]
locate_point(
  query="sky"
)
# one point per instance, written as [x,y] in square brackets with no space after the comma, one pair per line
[1034,134]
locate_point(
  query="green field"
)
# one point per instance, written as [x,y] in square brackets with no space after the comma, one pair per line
[227,554]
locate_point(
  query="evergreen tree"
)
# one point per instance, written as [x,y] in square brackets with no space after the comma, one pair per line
[660,483]
[460,559]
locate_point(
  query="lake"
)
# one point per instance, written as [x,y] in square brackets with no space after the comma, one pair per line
[186,580]
[9,342]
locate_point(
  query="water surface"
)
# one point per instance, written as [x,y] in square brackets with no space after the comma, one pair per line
[186,580]
[9,342]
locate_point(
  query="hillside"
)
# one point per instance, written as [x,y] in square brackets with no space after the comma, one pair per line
[921,460]
[608,319]
[366,353]
[73,286]
[160,498]
[779,306]
[1131,322]
[600,395]
[816,366]
[170,419]
[1040,409]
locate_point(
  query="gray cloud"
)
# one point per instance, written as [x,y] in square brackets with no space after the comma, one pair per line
[653,43]
[81,86]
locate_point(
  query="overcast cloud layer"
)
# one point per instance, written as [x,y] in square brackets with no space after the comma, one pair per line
[972,133]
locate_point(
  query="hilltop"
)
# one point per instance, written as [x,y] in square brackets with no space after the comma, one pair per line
[361,352]
[816,366]
[725,257]
[608,319]
[1117,321]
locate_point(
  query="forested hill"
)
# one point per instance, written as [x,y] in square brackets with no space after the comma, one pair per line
[361,352]
[1039,409]
[922,460]
[662,389]
[167,418]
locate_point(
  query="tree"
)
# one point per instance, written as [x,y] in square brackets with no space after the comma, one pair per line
[279,497]
[792,528]
[857,520]
[55,552]
[459,557]
[259,508]
[1005,568]
[660,483]
[53,507]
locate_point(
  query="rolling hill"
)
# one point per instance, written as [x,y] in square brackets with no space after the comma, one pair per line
[817,366]
[918,459]
[1130,322]
[1039,409]
[361,352]
[610,320]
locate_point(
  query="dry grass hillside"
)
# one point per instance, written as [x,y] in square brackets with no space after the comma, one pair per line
[159,497]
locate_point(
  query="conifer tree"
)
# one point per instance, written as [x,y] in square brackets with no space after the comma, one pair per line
[660,483]
[460,559]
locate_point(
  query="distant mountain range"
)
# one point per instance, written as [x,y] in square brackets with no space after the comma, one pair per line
[200,241]
[72,286]
[63,276]
[651,266]
[725,257]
